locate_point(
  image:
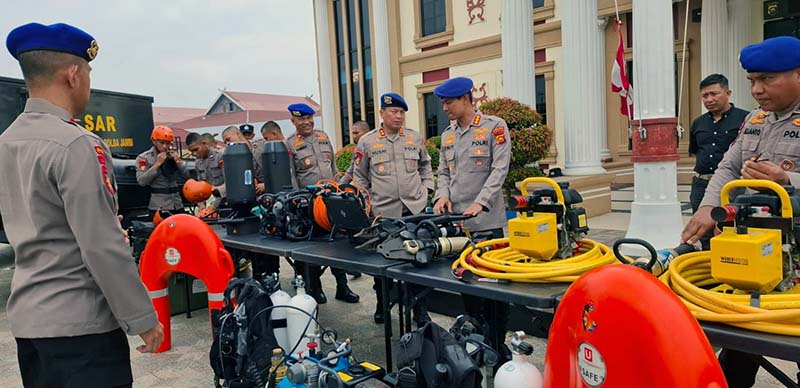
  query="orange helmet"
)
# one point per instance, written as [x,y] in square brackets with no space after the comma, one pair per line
[161,132]
[160,216]
[197,191]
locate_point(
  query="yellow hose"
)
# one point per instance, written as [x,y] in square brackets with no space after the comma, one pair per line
[690,277]
[507,263]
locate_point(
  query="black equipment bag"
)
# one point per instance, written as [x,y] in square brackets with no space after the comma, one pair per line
[138,233]
[431,357]
[243,337]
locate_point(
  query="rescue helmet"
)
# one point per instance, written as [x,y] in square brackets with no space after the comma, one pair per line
[160,216]
[163,133]
[197,191]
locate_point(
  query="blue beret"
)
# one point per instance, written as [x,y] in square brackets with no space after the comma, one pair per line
[389,100]
[55,37]
[299,110]
[247,128]
[773,55]
[454,88]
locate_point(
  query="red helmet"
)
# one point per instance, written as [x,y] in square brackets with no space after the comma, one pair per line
[161,132]
[197,191]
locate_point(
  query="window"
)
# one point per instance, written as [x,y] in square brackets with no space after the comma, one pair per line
[344,112]
[541,98]
[434,16]
[538,3]
[366,54]
[355,73]
[230,107]
[435,119]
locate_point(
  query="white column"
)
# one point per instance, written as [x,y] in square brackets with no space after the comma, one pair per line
[517,49]
[382,71]
[741,25]
[655,212]
[714,37]
[325,69]
[584,88]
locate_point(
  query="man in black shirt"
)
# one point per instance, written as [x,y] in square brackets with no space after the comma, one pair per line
[711,135]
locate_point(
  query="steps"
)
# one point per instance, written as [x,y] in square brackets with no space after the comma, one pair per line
[622,198]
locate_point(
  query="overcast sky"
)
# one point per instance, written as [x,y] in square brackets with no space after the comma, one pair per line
[182,52]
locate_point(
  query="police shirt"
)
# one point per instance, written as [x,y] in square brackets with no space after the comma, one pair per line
[210,170]
[312,157]
[778,137]
[708,140]
[396,169]
[74,271]
[473,164]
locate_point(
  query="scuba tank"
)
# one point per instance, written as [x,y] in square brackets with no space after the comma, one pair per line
[299,324]
[518,373]
[276,168]
[238,168]
[278,316]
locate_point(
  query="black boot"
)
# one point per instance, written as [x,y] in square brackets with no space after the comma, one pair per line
[316,289]
[378,316]
[355,275]
[345,294]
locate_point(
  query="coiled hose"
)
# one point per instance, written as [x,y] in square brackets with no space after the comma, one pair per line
[495,259]
[320,211]
[690,277]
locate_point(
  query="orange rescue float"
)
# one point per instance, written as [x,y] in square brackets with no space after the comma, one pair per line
[183,243]
[619,327]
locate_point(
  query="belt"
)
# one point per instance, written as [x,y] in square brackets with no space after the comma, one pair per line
[705,177]
[164,190]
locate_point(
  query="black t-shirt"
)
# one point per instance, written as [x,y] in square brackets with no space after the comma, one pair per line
[709,141]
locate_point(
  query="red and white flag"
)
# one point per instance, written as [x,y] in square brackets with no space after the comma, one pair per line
[619,80]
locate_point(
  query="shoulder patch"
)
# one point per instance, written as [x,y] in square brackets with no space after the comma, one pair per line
[101,160]
[498,130]
[142,163]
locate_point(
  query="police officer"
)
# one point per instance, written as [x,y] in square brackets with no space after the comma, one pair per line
[209,165]
[359,129]
[475,153]
[393,164]
[770,133]
[270,131]
[76,290]
[312,155]
[159,168]
[248,131]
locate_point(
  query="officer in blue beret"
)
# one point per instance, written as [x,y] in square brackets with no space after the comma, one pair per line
[313,161]
[771,134]
[76,292]
[474,160]
[393,163]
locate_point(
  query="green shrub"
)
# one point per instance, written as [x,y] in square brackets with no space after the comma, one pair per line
[344,156]
[432,146]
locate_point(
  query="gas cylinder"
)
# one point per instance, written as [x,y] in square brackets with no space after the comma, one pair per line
[297,321]
[275,167]
[238,169]
[278,316]
[518,373]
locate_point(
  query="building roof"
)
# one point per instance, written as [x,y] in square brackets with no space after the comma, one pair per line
[266,102]
[169,115]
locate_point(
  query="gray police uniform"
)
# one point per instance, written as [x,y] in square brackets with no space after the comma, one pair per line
[762,132]
[472,167]
[74,272]
[210,170]
[163,188]
[396,168]
[312,157]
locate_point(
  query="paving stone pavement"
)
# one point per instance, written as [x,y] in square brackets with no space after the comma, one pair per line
[186,365]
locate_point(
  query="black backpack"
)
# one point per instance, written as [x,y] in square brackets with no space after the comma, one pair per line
[243,338]
[431,357]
